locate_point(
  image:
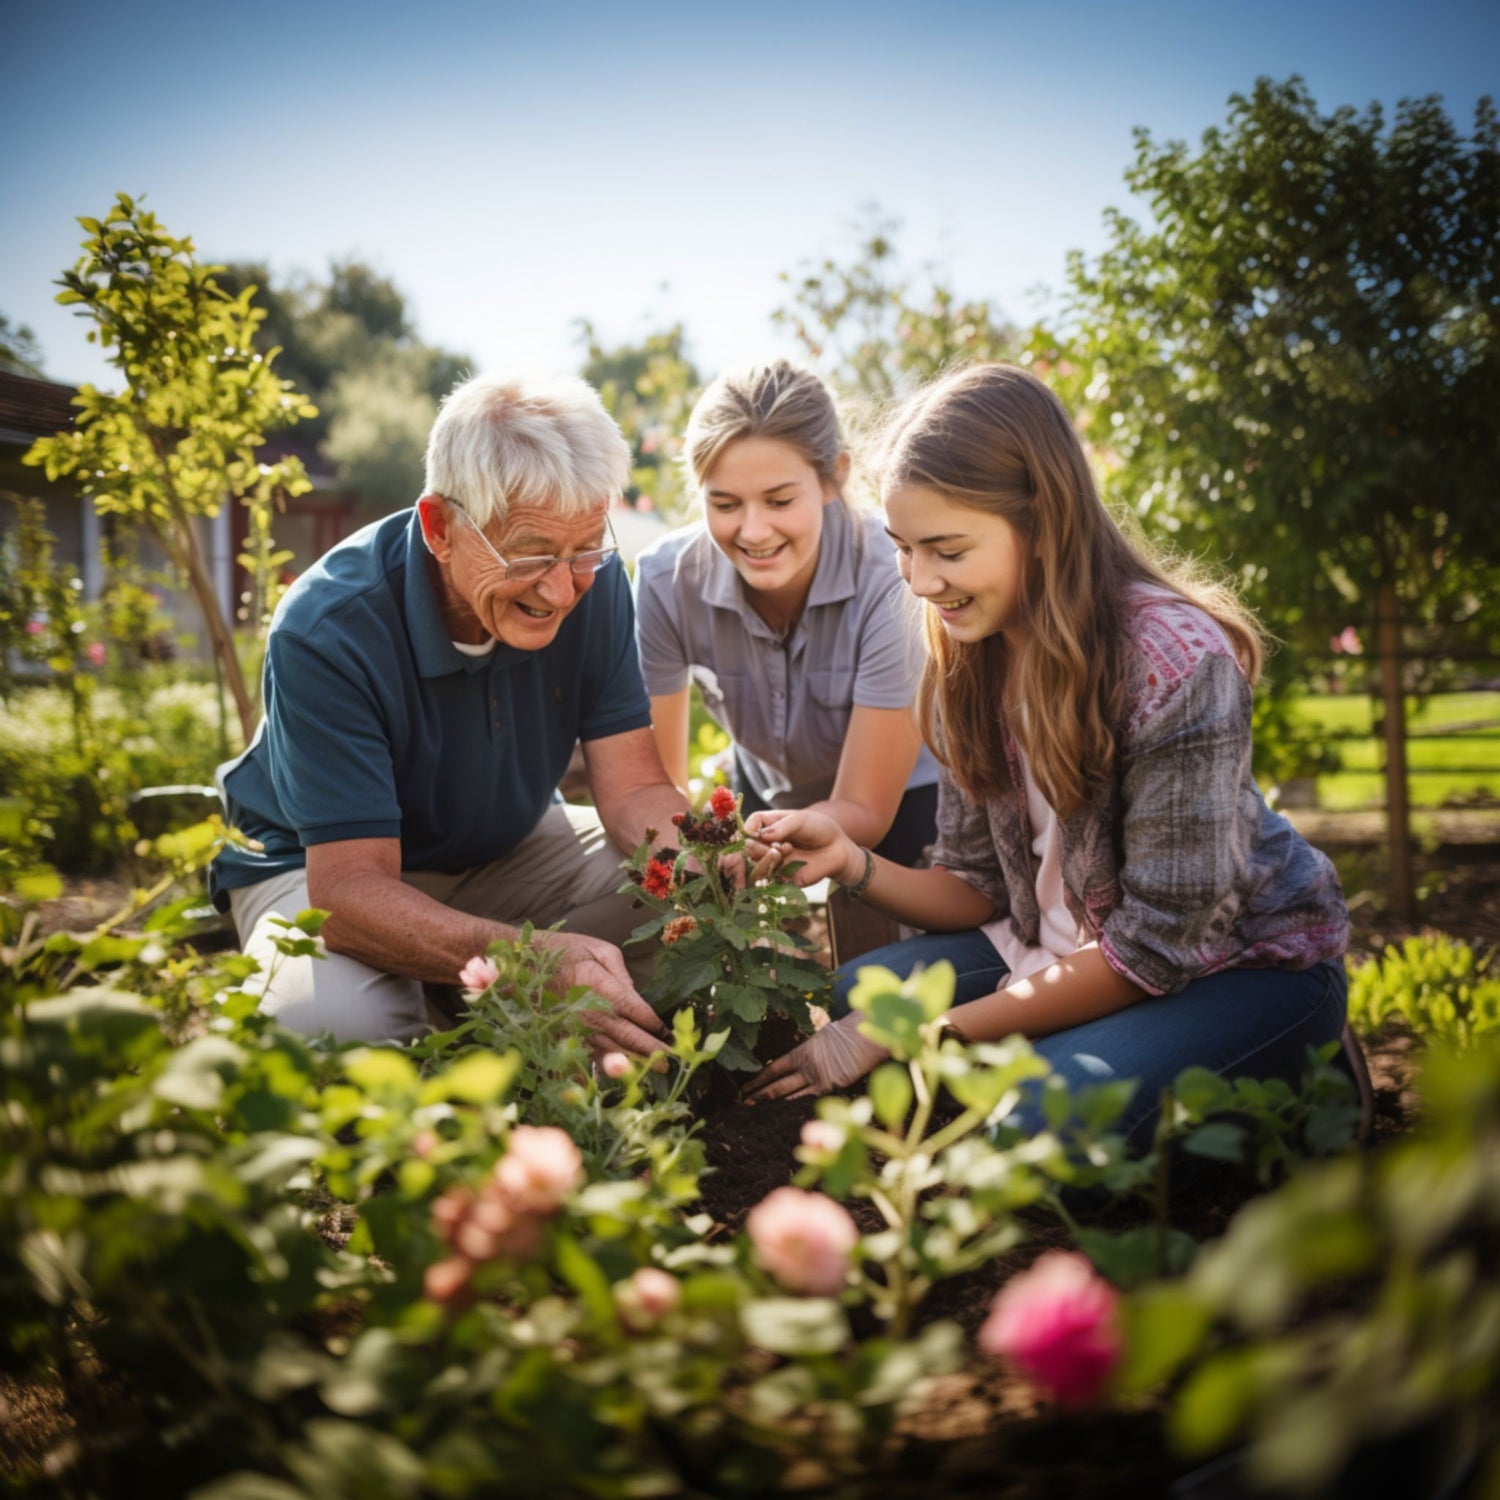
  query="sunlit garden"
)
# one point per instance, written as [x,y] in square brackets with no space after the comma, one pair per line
[243,1262]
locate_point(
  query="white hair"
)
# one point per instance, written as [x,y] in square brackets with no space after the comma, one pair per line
[502,441]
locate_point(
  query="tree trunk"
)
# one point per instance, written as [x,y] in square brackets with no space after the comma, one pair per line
[1393,699]
[188,555]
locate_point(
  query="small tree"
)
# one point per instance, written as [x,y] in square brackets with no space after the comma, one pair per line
[876,330]
[1296,363]
[181,437]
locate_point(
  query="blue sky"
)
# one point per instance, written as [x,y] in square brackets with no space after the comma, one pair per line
[515,168]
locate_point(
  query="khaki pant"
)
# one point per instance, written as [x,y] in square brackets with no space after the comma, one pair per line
[566,870]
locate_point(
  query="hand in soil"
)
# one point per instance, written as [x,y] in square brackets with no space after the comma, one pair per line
[629,1025]
[832,1058]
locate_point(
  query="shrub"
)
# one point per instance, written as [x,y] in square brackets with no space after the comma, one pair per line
[1443,989]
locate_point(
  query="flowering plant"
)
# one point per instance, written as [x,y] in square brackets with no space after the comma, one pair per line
[723,947]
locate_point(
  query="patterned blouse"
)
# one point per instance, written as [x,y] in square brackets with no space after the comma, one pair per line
[1180,869]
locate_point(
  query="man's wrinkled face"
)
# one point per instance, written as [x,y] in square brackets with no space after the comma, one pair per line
[525,614]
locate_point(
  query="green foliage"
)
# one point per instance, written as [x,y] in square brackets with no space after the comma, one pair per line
[877,330]
[1415,1232]
[723,949]
[649,389]
[73,756]
[198,400]
[1293,361]
[349,342]
[1445,990]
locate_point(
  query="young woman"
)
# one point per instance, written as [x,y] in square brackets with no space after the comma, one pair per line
[1107,879]
[787,610]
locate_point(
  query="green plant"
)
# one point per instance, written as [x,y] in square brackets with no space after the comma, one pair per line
[1445,990]
[1396,1257]
[198,400]
[724,948]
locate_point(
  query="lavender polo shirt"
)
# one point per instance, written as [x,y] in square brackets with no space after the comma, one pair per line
[786,702]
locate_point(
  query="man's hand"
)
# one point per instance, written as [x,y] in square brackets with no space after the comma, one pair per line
[832,1058]
[827,852]
[629,1025]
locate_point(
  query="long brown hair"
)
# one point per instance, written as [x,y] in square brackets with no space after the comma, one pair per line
[996,438]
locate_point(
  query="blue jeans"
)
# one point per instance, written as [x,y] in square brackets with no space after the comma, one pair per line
[1251,1023]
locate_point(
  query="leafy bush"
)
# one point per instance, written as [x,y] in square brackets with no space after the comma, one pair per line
[72,766]
[1399,1258]
[726,950]
[255,1265]
[1443,989]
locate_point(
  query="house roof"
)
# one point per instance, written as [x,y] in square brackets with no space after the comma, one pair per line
[32,408]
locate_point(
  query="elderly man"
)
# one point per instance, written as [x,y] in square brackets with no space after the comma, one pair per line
[425,684]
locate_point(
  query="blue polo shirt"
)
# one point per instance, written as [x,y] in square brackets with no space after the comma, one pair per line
[377,726]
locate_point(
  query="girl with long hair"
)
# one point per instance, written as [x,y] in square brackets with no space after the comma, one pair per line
[784,607]
[1107,879]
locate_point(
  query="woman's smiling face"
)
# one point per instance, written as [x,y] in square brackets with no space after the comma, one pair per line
[764,505]
[967,563]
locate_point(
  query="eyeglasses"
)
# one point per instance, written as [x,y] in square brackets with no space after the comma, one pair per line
[530,569]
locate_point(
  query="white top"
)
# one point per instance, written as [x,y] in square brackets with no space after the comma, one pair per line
[785,701]
[1059,936]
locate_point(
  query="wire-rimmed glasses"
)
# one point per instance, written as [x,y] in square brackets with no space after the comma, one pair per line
[530,569]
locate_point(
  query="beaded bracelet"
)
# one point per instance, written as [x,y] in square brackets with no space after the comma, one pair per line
[858,889]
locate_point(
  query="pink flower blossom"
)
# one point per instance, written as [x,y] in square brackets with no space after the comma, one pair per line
[820,1136]
[478,974]
[1057,1323]
[539,1170]
[34,627]
[1346,642]
[95,652]
[803,1239]
[645,1298]
[448,1280]
[723,802]
[614,1065]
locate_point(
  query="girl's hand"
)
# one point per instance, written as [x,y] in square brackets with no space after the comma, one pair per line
[832,1058]
[827,852]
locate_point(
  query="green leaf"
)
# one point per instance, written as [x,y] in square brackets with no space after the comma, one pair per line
[1214,1402]
[890,1092]
[1163,1326]
[1218,1140]
[381,1070]
[477,1077]
[584,1276]
[795,1325]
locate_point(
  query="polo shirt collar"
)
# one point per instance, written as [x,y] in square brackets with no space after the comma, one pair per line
[833,578]
[431,645]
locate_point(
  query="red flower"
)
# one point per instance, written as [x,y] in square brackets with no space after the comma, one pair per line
[657,879]
[723,802]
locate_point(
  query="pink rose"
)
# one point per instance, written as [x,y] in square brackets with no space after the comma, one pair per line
[496,1227]
[614,1065]
[645,1298]
[448,1280]
[540,1169]
[803,1240]
[1057,1323]
[478,974]
[820,1136]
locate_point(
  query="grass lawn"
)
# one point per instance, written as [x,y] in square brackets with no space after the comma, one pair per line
[1444,767]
